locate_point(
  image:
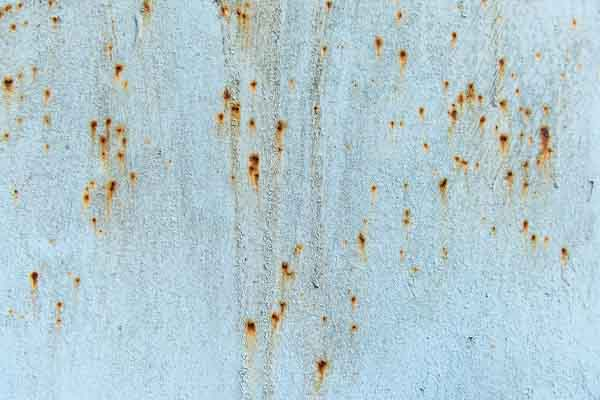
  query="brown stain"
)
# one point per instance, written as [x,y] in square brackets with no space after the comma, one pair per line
[328,5]
[574,23]
[504,143]
[354,302]
[244,18]
[133,178]
[286,272]
[373,193]
[444,253]
[493,230]
[254,170]
[250,330]
[324,50]
[111,190]
[121,159]
[86,197]
[52,3]
[398,15]
[220,118]
[503,105]
[253,85]
[76,282]
[546,110]
[524,188]
[46,120]
[482,121]
[34,277]
[460,100]
[298,249]
[280,129]
[93,130]
[55,20]
[453,39]
[533,238]
[526,113]
[104,149]
[525,226]
[12,27]
[94,223]
[235,113]
[453,114]
[403,59]
[545,151]
[378,43]
[119,68]
[471,93]
[402,255]
[322,367]
[6,136]
[147,8]
[58,310]
[8,85]
[252,126]
[443,187]
[501,67]
[564,256]
[361,240]
[354,328]
[445,85]
[421,112]
[108,50]
[406,220]
[510,179]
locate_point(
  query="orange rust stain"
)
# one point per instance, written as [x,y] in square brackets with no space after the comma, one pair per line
[538,56]
[121,159]
[482,121]
[322,368]
[510,179]
[86,198]
[378,43]
[235,112]
[398,16]
[453,115]
[403,58]
[287,272]
[46,120]
[133,177]
[93,129]
[254,170]
[298,249]
[453,39]
[421,113]
[108,49]
[323,51]
[545,151]
[402,255]
[328,5]
[574,23]
[524,188]
[58,313]
[104,149]
[12,27]
[253,85]
[564,256]
[546,109]
[55,19]
[354,328]
[250,333]
[406,217]
[120,130]
[503,105]
[8,85]
[517,92]
[111,189]
[119,68]
[147,7]
[533,238]
[353,302]
[504,142]
[501,67]
[76,282]
[252,125]
[52,3]
[373,193]
[471,92]
[362,245]
[446,85]
[220,118]
[34,277]
[279,135]
[443,186]
[525,226]
[275,319]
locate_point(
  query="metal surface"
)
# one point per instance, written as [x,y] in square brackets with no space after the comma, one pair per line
[299,199]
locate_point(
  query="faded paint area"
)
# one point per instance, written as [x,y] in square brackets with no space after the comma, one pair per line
[321,199]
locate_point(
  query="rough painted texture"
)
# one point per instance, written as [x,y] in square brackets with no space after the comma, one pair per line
[299,199]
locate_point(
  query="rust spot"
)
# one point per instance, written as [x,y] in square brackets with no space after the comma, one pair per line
[546,241]
[147,7]
[104,148]
[378,42]
[275,319]
[322,368]
[525,226]
[55,19]
[287,272]
[546,109]
[33,280]
[354,302]
[121,158]
[328,5]
[8,85]
[51,3]
[253,86]
[58,313]
[93,129]
[323,52]
[482,121]
[443,186]
[354,328]
[460,99]
[398,16]
[12,27]
[422,113]
[509,178]
[298,249]
[76,282]
[504,141]
[403,58]
[86,198]
[279,135]
[564,256]
[362,245]
[524,188]
[254,170]
[574,23]
[235,112]
[503,105]
[533,239]
[471,92]
[453,39]
[446,85]
[220,118]
[111,189]
[501,67]
[120,130]
[133,177]
[453,114]
[119,68]
[6,136]
[445,253]
[250,328]
[19,5]
[545,151]
[406,217]
[46,120]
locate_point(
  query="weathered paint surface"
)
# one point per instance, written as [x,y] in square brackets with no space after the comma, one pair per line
[288,199]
